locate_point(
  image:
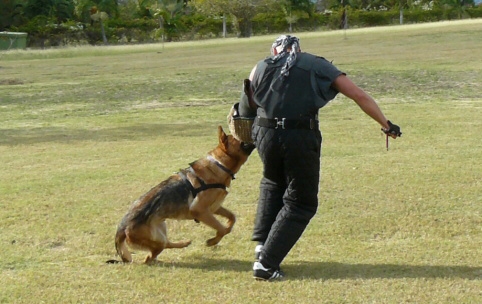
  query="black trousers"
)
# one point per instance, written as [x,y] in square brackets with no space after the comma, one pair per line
[288,196]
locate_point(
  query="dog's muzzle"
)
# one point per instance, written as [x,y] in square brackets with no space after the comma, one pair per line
[247,147]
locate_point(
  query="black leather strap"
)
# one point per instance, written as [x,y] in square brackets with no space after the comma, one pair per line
[283,123]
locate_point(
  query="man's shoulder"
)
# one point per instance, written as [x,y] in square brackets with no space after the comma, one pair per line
[308,61]
[312,57]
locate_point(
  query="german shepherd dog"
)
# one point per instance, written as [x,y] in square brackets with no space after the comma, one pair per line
[194,193]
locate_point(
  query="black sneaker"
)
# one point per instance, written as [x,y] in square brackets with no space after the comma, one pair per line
[261,273]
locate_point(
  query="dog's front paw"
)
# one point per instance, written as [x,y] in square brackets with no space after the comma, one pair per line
[230,225]
[229,229]
[218,237]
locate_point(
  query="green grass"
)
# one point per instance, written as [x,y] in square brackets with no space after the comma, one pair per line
[84,131]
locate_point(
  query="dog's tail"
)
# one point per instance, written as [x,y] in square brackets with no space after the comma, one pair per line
[120,244]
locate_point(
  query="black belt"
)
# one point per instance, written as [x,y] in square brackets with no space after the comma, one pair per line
[283,123]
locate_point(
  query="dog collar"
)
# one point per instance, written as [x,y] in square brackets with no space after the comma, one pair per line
[220,165]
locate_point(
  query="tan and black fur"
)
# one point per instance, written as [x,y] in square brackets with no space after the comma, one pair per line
[194,193]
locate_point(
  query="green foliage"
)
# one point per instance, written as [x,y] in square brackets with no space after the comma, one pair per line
[201,26]
[276,22]
[133,21]
[110,7]
[131,30]
[168,14]
[243,12]
[130,9]
[475,12]
[302,5]
[369,18]
[142,24]
[420,16]
[269,22]
[11,14]
[61,10]
[46,32]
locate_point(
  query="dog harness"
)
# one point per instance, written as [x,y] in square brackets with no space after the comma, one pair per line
[203,186]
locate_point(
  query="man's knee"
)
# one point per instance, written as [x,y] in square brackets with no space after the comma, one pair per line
[302,213]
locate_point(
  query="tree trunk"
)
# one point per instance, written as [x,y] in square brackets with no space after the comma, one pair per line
[225,32]
[291,22]
[245,28]
[104,38]
[161,29]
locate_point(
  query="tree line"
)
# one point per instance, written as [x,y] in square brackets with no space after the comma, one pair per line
[70,22]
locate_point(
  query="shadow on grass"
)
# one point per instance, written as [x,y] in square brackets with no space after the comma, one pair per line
[28,136]
[299,270]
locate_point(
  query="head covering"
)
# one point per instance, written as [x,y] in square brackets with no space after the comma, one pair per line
[286,42]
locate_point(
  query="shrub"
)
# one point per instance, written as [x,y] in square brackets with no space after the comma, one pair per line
[475,12]
[44,31]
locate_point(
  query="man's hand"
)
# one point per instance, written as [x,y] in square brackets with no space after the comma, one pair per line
[393,131]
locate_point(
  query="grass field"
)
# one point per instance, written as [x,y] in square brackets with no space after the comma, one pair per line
[84,131]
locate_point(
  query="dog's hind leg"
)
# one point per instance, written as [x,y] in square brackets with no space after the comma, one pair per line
[159,242]
[170,244]
[155,249]
[156,242]
[151,258]
[146,239]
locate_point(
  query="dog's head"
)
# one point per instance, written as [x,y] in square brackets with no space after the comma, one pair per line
[232,152]
[231,144]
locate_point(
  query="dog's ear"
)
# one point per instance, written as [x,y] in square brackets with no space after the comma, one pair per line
[223,138]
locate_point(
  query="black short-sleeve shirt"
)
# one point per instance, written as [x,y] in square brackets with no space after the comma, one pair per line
[301,93]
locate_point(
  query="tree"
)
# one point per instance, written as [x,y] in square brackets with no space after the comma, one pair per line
[97,11]
[242,11]
[402,4]
[83,8]
[167,12]
[307,6]
[458,8]
[101,17]
[214,8]
[11,13]
[295,9]
[61,10]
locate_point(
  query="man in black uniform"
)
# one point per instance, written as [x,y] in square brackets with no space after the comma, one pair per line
[286,92]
